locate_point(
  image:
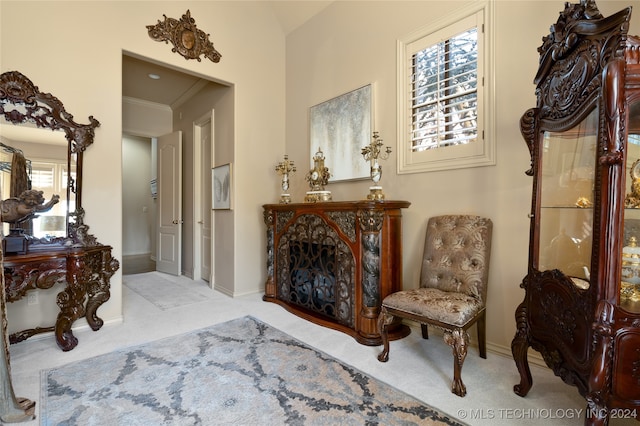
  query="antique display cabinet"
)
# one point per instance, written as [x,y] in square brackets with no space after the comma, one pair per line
[581,308]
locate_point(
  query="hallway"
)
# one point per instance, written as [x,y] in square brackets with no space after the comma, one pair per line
[137,264]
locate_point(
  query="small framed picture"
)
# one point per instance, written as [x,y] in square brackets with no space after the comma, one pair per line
[221,187]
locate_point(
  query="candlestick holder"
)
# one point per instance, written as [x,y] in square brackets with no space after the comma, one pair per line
[284,168]
[373,153]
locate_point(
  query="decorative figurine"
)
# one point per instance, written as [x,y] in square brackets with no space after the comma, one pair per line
[372,153]
[632,200]
[318,177]
[284,168]
[16,210]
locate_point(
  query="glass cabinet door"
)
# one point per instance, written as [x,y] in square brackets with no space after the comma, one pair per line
[568,164]
[630,285]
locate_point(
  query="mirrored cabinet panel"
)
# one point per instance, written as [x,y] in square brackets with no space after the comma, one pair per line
[630,273]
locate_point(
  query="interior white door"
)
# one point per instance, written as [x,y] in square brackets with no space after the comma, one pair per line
[206,143]
[169,239]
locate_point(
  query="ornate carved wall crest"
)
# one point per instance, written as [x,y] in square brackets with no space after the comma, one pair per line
[187,40]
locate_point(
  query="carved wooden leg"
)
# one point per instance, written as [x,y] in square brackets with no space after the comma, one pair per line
[71,301]
[458,339]
[95,300]
[600,381]
[481,325]
[519,348]
[425,331]
[64,336]
[384,319]
[98,289]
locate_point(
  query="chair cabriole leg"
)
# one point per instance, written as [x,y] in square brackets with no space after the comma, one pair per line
[458,339]
[384,319]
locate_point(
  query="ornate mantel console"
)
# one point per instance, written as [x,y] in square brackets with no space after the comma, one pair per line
[85,272]
[332,263]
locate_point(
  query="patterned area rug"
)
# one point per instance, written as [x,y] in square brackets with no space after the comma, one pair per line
[161,292]
[241,372]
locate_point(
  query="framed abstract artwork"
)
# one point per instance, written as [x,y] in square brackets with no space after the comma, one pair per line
[221,186]
[341,127]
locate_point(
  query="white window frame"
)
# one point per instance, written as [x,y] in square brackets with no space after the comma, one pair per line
[481,152]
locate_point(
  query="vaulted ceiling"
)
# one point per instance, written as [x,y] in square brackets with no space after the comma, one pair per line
[174,87]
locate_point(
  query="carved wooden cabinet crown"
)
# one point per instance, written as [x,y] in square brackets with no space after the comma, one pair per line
[581,308]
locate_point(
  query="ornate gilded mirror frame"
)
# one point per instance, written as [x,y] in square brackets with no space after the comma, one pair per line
[21,102]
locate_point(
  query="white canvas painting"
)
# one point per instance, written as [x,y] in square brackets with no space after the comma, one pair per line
[341,127]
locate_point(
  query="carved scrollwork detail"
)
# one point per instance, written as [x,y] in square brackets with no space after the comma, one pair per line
[267,215]
[635,370]
[528,126]
[187,40]
[564,33]
[346,221]
[567,313]
[610,158]
[79,231]
[27,277]
[282,219]
[573,56]
[558,314]
[570,83]
[371,220]
[102,266]
[42,109]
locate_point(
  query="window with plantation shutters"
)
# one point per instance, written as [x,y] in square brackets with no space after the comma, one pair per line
[42,177]
[444,94]
[51,177]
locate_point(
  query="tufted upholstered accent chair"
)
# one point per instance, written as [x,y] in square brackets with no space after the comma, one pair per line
[453,288]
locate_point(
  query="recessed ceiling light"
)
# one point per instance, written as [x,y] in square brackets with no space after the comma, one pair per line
[154,76]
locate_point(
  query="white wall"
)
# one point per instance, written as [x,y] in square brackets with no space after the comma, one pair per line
[74,50]
[350,44]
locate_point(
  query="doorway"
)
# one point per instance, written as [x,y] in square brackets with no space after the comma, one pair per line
[180,101]
[138,206]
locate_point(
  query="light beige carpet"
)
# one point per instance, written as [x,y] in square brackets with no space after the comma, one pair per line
[165,294]
[241,372]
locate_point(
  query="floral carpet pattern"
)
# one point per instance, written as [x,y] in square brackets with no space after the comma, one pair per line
[241,372]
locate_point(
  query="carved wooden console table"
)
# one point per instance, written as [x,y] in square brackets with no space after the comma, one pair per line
[86,272]
[332,263]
